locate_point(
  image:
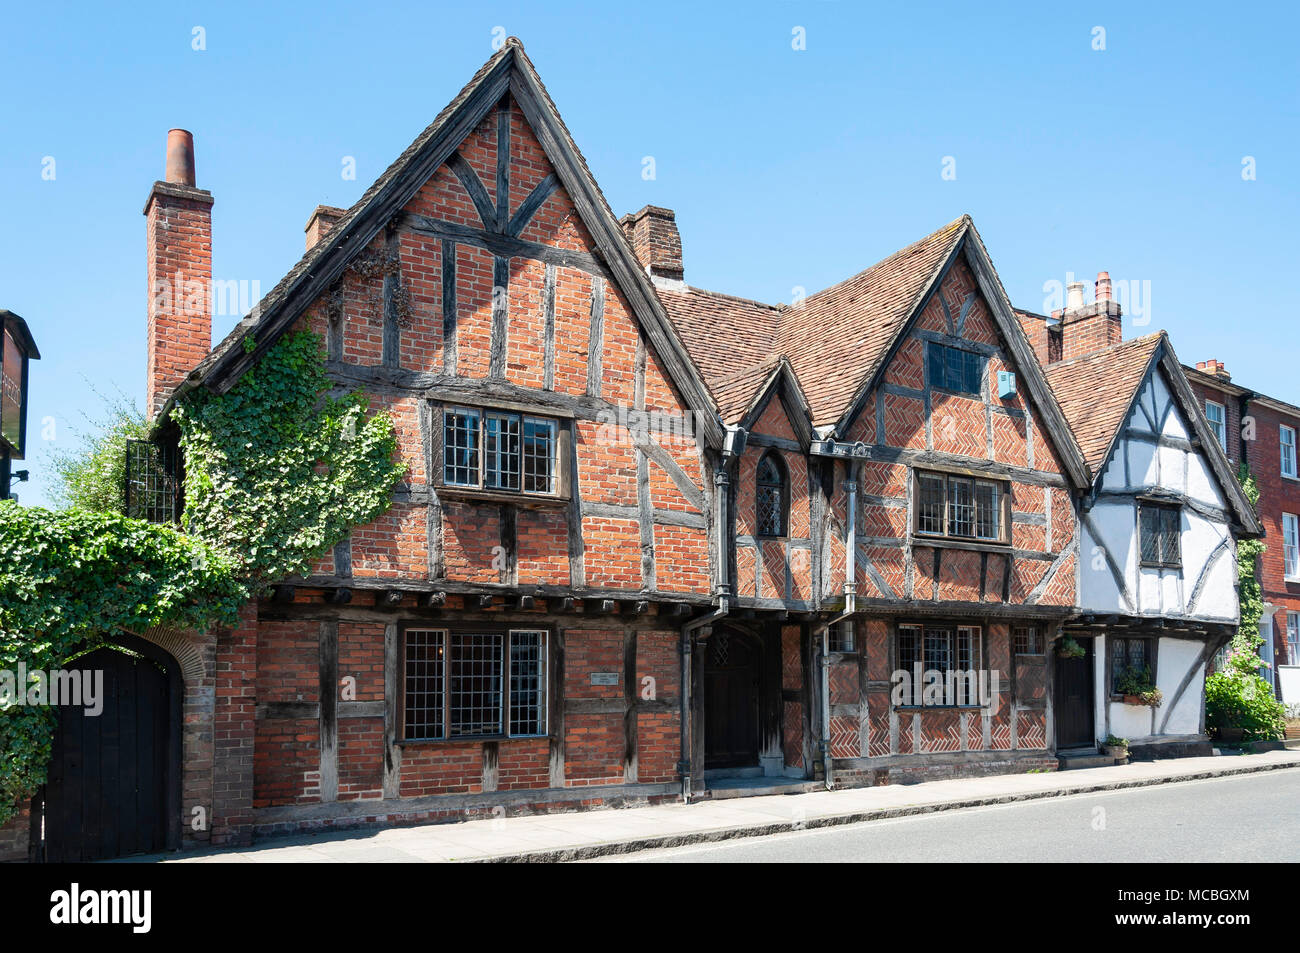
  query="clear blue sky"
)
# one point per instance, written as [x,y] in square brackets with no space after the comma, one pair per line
[786,167]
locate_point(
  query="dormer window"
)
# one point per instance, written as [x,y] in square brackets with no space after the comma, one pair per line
[771,499]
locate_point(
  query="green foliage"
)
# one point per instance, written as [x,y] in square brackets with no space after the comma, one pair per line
[1236,700]
[1114,742]
[68,579]
[93,474]
[277,471]
[1237,696]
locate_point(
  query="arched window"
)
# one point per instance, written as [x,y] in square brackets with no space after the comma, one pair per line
[772,499]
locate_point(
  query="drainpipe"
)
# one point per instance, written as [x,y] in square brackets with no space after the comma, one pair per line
[850,607]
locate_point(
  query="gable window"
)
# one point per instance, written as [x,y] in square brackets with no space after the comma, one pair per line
[954,369]
[771,498]
[1159,526]
[1132,664]
[1291,545]
[473,684]
[499,451]
[959,507]
[1214,413]
[954,651]
[1288,451]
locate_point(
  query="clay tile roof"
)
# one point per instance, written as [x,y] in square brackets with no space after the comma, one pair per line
[837,337]
[731,340]
[833,340]
[1095,392]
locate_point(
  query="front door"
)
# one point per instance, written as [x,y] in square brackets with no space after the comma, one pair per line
[1072,699]
[731,682]
[110,786]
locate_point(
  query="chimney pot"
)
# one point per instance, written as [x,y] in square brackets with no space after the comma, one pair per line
[180,157]
[1103,286]
[1074,296]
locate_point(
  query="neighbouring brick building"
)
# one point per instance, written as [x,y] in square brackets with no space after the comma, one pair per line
[654,539]
[1261,431]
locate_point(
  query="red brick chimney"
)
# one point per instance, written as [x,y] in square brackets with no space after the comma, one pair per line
[656,241]
[321,221]
[1214,369]
[178,262]
[1086,328]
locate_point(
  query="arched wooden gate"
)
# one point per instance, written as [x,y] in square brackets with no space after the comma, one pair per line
[113,786]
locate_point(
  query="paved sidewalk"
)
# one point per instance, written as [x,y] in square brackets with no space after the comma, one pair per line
[557,837]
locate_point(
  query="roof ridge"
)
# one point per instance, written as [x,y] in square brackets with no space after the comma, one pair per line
[1108,348]
[951,226]
[692,289]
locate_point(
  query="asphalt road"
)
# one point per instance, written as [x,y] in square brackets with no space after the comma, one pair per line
[1250,818]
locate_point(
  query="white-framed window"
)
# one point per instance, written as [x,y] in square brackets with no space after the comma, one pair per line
[1287,441]
[1293,638]
[473,683]
[1218,418]
[1291,544]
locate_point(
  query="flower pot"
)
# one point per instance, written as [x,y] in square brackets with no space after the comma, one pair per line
[1132,699]
[1116,751]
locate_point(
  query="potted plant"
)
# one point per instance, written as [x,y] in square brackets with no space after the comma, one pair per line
[1115,747]
[1136,687]
[1069,648]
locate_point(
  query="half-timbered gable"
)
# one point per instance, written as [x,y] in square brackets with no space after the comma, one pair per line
[1158,529]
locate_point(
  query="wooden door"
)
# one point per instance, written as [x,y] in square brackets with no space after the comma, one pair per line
[731,688]
[1073,699]
[108,786]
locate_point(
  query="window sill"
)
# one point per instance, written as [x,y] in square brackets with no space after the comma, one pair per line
[474,494]
[465,739]
[940,708]
[1178,568]
[948,542]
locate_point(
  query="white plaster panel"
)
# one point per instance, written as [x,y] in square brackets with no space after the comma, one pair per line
[1201,484]
[1171,592]
[1130,721]
[1174,659]
[1114,525]
[1143,464]
[1150,590]
[1173,468]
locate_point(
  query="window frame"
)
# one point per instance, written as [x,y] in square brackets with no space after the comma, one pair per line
[783,471]
[559,426]
[1293,637]
[1220,426]
[1291,547]
[506,707]
[1162,561]
[1037,645]
[938,347]
[1001,509]
[1150,651]
[954,629]
[1282,447]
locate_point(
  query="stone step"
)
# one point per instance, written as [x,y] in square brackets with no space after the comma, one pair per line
[719,789]
[1085,758]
